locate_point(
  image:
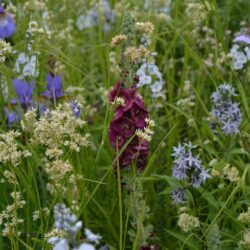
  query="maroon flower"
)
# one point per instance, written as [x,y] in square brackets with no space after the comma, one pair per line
[116,139]
[139,115]
[123,125]
[128,118]
[120,91]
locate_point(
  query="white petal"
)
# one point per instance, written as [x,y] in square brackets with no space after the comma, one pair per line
[61,245]
[86,246]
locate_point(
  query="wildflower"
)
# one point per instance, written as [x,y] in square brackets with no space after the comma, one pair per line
[86,246]
[118,101]
[225,111]
[188,222]
[196,12]
[231,173]
[246,238]
[245,217]
[9,218]
[187,168]
[129,117]
[67,226]
[12,117]
[146,28]
[5,48]
[91,236]
[31,67]
[118,40]
[150,75]
[177,196]
[58,172]
[144,52]
[7,25]
[132,54]
[54,88]
[24,92]
[242,38]
[10,177]
[34,28]
[9,151]
[75,108]
[146,134]
[58,128]
[36,215]
[239,58]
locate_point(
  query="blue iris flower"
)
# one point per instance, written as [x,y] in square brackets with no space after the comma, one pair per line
[7,25]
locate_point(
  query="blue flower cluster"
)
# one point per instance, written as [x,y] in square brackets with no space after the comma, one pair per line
[226,112]
[187,168]
[24,91]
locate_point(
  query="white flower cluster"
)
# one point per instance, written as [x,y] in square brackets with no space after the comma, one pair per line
[245,217]
[246,239]
[59,173]
[197,12]
[9,177]
[34,29]
[9,150]
[27,66]
[147,133]
[150,75]
[5,48]
[56,129]
[37,214]
[231,173]
[9,217]
[188,222]
[34,5]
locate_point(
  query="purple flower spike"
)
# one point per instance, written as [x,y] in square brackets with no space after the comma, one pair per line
[7,25]
[24,92]
[54,88]
[128,118]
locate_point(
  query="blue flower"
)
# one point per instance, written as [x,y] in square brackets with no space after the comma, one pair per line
[12,117]
[187,168]
[178,196]
[7,25]
[225,112]
[243,38]
[24,92]
[75,108]
[54,88]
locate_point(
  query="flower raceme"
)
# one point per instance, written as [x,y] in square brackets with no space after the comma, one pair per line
[24,92]
[225,112]
[130,116]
